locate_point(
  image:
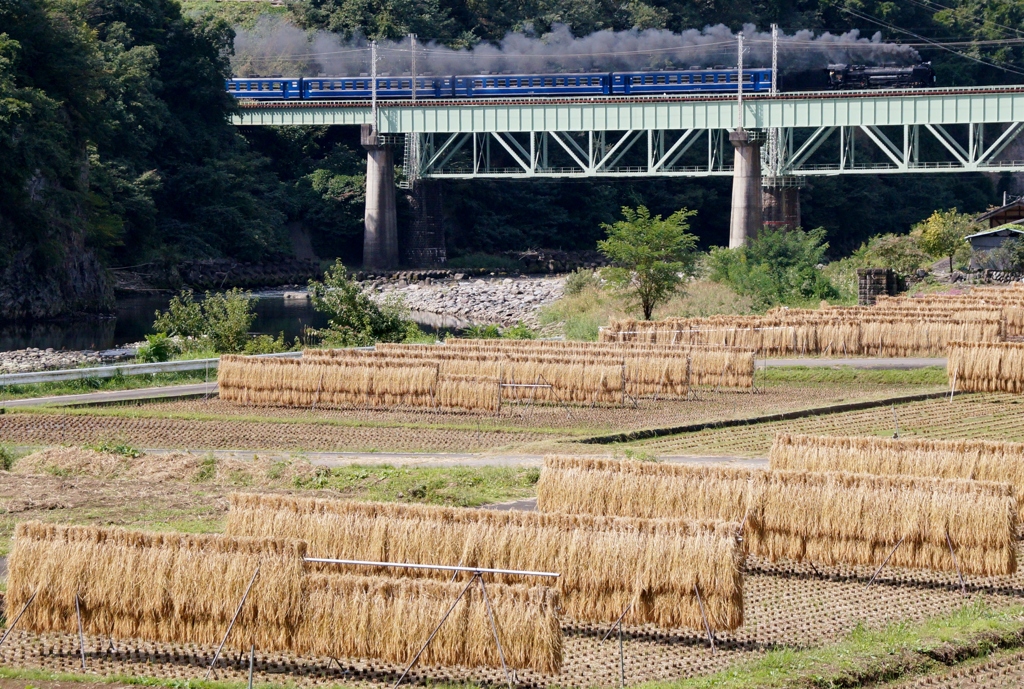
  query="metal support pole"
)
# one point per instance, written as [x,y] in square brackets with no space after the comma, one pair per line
[238,610]
[703,615]
[412,48]
[373,85]
[81,635]
[622,660]
[739,79]
[252,661]
[952,388]
[494,629]
[885,561]
[896,420]
[775,59]
[963,586]
[10,629]
[445,568]
[617,625]
[436,629]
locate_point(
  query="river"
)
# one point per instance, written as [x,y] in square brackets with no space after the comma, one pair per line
[133,320]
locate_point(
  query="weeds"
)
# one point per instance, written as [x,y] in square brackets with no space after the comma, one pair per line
[207,469]
[117,448]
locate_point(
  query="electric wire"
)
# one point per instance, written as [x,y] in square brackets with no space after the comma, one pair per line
[982,61]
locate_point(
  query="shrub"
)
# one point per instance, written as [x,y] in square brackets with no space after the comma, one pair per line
[158,347]
[265,344]
[491,331]
[579,280]
[219,321]
[482,332]
[780,266]
[353,318]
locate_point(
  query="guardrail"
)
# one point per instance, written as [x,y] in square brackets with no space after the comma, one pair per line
[122,370]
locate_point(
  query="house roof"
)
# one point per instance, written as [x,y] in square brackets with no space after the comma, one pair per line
[1019,203]
[1001,231]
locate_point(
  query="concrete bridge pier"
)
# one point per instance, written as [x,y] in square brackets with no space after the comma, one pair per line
[745,221]
[782,203]
[380,236]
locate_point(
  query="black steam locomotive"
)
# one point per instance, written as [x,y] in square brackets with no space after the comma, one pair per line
[862,77]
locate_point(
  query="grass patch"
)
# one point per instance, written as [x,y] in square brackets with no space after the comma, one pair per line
[455,486]
[117,382]
[580,315]
[33,674]
[930,375]
[869,656]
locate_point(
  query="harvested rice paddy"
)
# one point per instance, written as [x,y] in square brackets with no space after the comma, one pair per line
[211,424]
[788,606]
[981,416]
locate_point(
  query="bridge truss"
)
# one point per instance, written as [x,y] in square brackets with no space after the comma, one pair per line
[823,150]
[899,132]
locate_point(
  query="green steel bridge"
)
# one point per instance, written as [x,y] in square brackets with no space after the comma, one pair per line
[801,134]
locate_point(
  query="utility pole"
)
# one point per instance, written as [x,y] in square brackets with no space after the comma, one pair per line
[773,133]
[373,85]
[412,47]
[774,58]
[739,79]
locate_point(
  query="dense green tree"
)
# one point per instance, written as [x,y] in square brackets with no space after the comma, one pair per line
[651,256]
[942,233]
[115,137]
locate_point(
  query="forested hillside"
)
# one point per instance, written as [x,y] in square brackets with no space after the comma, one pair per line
[115,148]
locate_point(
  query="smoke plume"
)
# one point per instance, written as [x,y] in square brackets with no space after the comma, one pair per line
[276,47]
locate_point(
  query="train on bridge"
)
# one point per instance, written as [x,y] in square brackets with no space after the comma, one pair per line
[646,83]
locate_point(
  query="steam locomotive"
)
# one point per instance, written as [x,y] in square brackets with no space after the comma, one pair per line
[664,82]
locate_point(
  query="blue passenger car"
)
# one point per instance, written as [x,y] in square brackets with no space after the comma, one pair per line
[359,88]
[689,81]
[265,88]
[506,85]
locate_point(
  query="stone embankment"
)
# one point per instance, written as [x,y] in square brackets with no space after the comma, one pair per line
[505,301]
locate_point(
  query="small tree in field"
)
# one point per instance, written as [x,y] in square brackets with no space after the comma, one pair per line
[651,256]
[942,234]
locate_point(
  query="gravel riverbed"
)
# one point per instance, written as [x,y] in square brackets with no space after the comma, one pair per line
[505,301]
[32,359]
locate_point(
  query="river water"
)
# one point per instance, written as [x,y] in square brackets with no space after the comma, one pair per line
[133,320]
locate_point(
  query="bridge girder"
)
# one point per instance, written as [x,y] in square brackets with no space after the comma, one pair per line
[933,131]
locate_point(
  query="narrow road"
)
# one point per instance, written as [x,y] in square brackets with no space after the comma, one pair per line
[905,363]
[431,459]
[190,390]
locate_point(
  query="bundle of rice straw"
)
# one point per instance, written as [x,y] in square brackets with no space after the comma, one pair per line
[178,588]
[986,366]
[356,383]
[184,589]
[827,332]
[389,618]
[831,518]
[605,564]
[708,365]
[981,460]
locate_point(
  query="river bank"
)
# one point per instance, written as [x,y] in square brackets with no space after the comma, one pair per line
[449,303]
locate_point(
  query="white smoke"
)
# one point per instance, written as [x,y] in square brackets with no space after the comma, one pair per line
[275,46]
